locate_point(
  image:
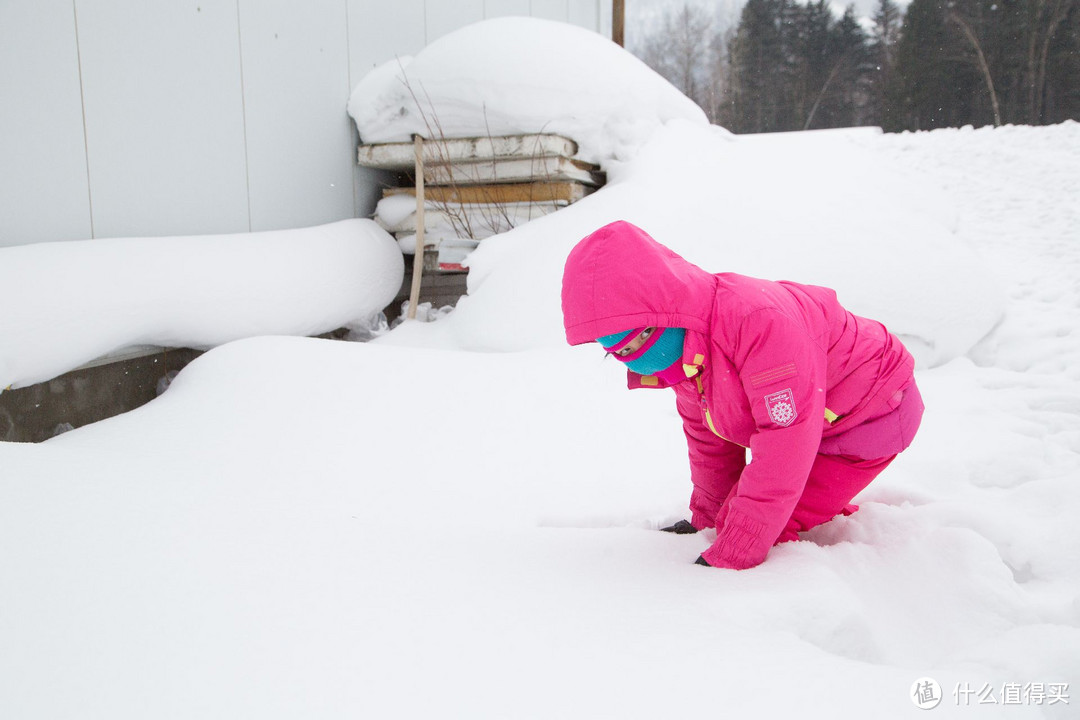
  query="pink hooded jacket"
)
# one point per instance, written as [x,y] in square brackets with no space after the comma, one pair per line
[772,366]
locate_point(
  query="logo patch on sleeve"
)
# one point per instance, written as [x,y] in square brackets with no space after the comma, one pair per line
[781,407]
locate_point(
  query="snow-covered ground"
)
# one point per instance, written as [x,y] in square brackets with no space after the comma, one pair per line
[460,518]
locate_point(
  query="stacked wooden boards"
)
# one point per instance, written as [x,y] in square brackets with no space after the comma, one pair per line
[477,187]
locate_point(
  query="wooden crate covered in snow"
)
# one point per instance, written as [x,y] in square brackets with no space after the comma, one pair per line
[475,188]
[476,161]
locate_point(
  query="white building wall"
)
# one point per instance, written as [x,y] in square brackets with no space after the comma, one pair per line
[502,8]
[158,117]
[44,191]
[295,57]
[162,93]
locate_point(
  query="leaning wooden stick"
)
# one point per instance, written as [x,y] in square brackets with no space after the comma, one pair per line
[418,258]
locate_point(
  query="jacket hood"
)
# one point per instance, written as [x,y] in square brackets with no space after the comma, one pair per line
[618,278]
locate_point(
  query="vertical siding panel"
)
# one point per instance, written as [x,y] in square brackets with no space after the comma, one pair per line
[379,31]
[446,17]
[296,84]
[44,191]
[502,8]
[586,13]
[550,10]
[164,117]
[604,21]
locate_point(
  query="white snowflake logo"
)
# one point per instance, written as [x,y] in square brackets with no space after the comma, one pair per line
[781,407]
[782,413]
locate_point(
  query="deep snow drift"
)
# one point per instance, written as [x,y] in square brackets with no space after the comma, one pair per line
[828,208]
[407,528]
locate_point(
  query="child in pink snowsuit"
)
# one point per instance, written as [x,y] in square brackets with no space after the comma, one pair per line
[823,399]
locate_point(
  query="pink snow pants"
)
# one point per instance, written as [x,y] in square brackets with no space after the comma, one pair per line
[836,478]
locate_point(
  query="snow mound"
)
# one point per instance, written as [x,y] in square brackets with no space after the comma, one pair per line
[826,208]
[84,299]
[516,75]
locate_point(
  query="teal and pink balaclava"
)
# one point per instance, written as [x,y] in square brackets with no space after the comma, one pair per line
[660,354]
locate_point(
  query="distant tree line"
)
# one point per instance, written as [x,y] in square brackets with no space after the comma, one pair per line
[787,65]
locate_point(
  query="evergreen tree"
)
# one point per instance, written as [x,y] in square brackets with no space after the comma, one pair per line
[1052,41]
[757,61]
[1061,93]
[882,53]
[933,82]
[793,65]
[816,59]
[856,78]
[986,61]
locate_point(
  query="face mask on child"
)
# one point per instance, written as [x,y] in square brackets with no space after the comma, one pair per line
[649,351]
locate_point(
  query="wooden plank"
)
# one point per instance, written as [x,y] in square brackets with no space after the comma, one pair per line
[547,169]
[444,281]
[399,156]
[559,193]
[418,172]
